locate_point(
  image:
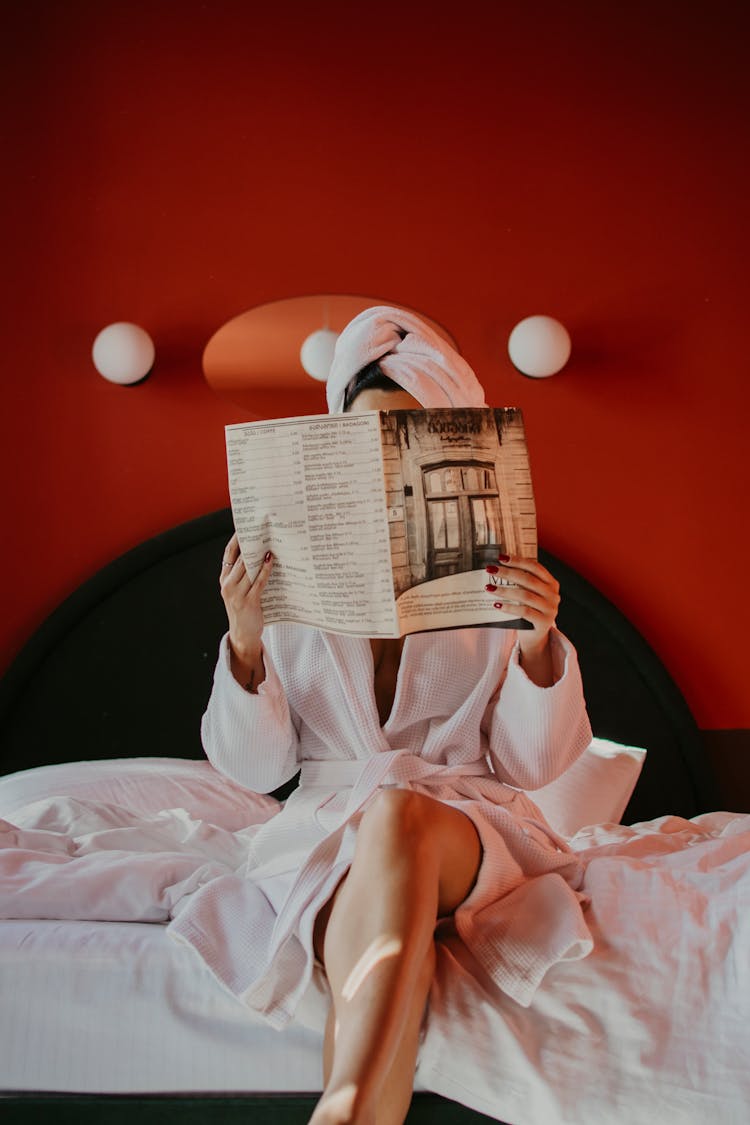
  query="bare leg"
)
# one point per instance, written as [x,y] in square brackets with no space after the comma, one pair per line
[415,858]
[396,1091]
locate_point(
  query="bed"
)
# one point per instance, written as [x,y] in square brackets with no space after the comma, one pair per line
[102,1019]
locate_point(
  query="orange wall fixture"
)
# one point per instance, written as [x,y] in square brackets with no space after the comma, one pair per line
[175,168]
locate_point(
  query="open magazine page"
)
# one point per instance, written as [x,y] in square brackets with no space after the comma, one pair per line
[459,494]
[312,490]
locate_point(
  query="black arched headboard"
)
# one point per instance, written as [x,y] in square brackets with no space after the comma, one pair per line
[123,668]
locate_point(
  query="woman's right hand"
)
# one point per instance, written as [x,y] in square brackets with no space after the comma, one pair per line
[241,597]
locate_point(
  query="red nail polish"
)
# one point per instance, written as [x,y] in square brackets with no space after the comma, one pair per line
[492,569]
[268,556]
[503,558]
[498,605]
[490,588]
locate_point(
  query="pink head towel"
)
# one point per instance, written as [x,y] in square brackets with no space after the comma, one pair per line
[409,352]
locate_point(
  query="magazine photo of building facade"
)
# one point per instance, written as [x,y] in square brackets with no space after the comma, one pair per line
[458,489]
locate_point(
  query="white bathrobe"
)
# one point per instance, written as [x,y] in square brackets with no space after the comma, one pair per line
[467,727]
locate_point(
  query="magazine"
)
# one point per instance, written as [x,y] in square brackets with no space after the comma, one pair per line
[382,523]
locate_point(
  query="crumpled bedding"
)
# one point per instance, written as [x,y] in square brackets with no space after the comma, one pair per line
[67,858]
[651,1026]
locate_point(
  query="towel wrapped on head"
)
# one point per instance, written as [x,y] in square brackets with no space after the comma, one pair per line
[409,352]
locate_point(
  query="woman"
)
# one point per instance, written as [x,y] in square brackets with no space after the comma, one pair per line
[408,821]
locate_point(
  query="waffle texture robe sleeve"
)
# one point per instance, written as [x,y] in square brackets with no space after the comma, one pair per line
[536,733]
[250,737]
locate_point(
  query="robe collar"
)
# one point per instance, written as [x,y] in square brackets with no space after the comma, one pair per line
[352,659]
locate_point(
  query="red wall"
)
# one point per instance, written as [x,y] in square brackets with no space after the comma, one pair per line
[176,164]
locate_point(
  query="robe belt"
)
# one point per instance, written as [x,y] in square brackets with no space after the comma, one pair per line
[391,767]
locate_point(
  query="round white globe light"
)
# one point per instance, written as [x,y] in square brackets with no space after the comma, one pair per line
[539,346]
[123,353]
[316,353]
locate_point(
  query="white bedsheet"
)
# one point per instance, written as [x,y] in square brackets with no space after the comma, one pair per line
[116,1007]
[652,1026]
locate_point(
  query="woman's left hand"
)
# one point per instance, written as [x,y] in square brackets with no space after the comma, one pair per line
[527,589]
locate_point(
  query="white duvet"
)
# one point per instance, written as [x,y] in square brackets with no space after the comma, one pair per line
[653,1026]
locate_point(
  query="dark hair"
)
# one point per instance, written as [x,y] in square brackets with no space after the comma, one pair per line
[370,377]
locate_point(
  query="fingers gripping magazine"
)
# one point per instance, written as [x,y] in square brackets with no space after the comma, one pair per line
[382,523]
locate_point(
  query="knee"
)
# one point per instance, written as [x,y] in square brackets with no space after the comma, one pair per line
[396,816]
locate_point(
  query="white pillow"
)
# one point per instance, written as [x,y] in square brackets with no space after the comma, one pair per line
[143,785]
[595,790]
